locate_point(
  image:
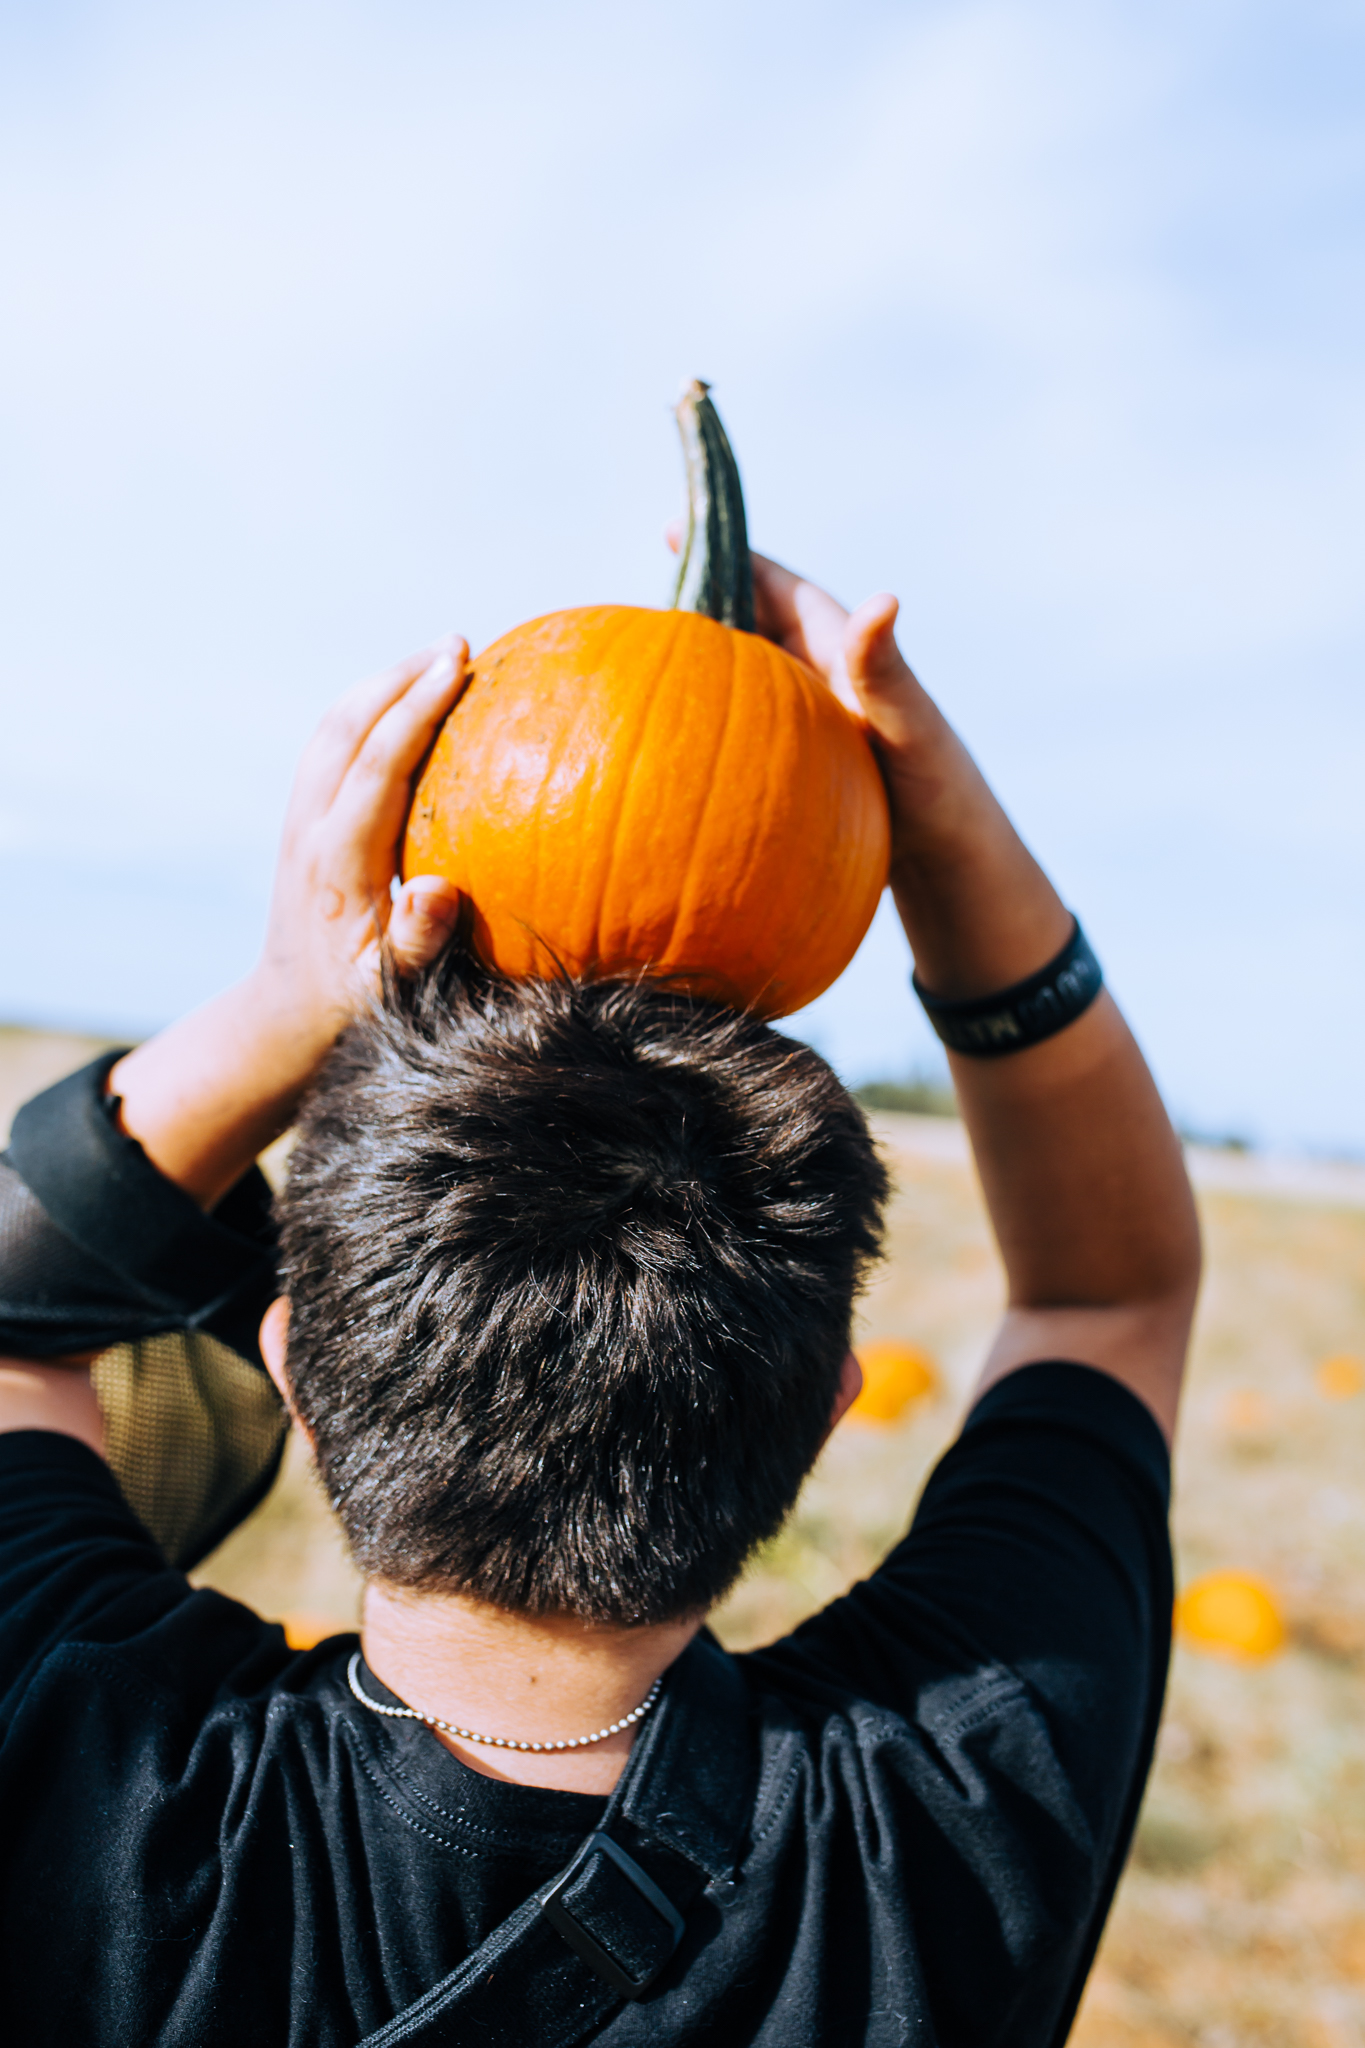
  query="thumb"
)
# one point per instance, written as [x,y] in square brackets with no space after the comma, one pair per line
[424,915]
[881,677]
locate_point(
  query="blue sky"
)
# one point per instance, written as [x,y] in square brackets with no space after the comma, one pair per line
[329,328]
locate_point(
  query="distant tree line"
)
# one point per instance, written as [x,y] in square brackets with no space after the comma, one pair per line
[919,1095]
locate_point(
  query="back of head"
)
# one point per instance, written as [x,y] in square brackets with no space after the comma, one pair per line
[571,1269]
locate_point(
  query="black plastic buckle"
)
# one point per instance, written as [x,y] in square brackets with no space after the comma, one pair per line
[577,1936]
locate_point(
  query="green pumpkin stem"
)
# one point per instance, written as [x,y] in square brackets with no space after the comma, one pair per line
[715,574]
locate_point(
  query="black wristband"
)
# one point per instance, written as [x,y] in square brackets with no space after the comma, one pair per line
[987,1027]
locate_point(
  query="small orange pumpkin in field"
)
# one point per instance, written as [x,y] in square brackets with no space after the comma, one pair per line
[1340,1378]
[304,1631]
[1230,1614]
[894,1375]
[622,791]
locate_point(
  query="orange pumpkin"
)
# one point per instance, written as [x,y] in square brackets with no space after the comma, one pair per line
[1340,1378]
[305,1631]
[622,791]
[895,1374]
[1230,1614]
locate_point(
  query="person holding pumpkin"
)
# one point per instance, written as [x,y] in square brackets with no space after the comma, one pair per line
[562,1298]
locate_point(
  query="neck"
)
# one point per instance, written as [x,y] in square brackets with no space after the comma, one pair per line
[536,1678]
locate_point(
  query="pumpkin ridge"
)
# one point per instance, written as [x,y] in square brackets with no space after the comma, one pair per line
[683,910]
[535,921]
[780,801]
[776,797]
[651,695]
[768,664]
[605,626]
[835,906]
[812,777]
[774,790]
[547,873]
[765,664]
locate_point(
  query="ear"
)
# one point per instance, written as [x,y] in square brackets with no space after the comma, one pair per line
[275,1348]
[850,1386]
[275,1352]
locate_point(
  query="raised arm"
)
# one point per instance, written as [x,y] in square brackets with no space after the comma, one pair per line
[207,1095]
[1081,1169]
[204,1097]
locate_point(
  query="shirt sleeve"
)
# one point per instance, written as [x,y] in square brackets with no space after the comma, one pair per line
[99,1252]
[97,1247]
[71,1554]
[1022,1629]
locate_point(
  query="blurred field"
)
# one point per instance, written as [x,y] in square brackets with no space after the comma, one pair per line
[1241,1920]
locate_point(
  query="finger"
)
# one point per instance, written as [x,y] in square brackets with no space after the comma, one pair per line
[774,597]
[352,719]
[425,913]
[396,743]
[674,534]
[882,680]
[375,791]
[349,723]
[801,617]
[870,640]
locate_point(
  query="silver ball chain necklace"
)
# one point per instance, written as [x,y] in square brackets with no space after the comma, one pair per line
[496,1741]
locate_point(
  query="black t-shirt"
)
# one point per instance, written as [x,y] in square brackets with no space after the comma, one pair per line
[205,1839]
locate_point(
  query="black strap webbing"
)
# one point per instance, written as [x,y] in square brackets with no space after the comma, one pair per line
[612,1920]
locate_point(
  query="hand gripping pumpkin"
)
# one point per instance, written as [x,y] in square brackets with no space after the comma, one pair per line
[622,792]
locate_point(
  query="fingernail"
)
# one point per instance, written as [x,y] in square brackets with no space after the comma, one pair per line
[439,910]
[434,899]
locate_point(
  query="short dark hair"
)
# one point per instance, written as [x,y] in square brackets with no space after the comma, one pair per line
[571,1269]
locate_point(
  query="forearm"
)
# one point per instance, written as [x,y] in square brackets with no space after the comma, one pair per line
[53,1397]
[1080,1167]
[206,1096]
[1081,1170]
[979,912]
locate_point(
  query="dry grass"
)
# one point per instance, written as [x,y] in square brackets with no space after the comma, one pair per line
[1241,1920]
